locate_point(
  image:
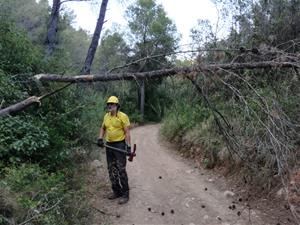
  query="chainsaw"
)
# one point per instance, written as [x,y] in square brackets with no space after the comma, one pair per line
[130,154]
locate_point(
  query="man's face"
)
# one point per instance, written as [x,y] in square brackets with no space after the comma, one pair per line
[111,107]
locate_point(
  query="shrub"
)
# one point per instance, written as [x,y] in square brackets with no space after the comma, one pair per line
[30,192]
[21,139]
[17,53]
[183,117]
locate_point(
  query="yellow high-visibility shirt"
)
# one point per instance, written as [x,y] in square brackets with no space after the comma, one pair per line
[114,126]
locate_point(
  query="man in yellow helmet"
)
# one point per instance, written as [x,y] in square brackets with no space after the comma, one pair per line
[115,130]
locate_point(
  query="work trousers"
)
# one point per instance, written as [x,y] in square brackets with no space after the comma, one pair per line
[116,163]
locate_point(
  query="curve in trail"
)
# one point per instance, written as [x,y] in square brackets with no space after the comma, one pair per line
[165,189]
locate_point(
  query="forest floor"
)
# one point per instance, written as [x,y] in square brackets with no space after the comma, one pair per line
[166,188]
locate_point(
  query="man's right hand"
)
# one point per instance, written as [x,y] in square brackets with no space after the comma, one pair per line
[128,149]
[100,142]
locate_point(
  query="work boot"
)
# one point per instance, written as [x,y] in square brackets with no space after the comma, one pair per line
[123,200]
[113,196]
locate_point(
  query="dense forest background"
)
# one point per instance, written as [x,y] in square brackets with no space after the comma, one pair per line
[247,120]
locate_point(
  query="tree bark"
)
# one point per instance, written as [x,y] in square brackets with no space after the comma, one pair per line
[140,75]
[166,72]
[86,69]
[142,98]
[20,106]
[51,38]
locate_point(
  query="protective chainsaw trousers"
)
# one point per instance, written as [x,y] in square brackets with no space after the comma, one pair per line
[116,163]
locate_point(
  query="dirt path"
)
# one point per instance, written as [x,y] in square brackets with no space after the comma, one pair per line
[165,189]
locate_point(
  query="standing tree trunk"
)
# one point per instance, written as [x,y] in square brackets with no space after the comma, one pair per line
[52,28]
[142,98]
[86,69]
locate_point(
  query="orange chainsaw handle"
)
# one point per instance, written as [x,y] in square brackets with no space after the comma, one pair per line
[130,159]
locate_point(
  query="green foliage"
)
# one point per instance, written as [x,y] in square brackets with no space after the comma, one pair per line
[21,138]
[8,92]
[46,197]
[184,118]
[260,106]
[184,110]
[190,123]
[152,34]
[72,46]
[272,23]
[112,52]
[173,126]
[17,53]
[37,143]
[205,135]
[31,137]
[31,177]
[128,102]
[276,22]
[28,15]
[49,135]
[92,110]
[202,34]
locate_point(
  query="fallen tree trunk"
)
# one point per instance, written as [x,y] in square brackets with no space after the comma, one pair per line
[139,75]
[164,72]
[20,106]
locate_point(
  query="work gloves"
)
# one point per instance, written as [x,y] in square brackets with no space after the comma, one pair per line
[128,148]
[100,142]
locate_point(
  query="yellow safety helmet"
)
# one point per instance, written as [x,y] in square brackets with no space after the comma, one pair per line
[113,99]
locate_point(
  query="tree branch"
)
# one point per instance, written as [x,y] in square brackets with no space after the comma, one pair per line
[168,54]
[20,106]
[43,211]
